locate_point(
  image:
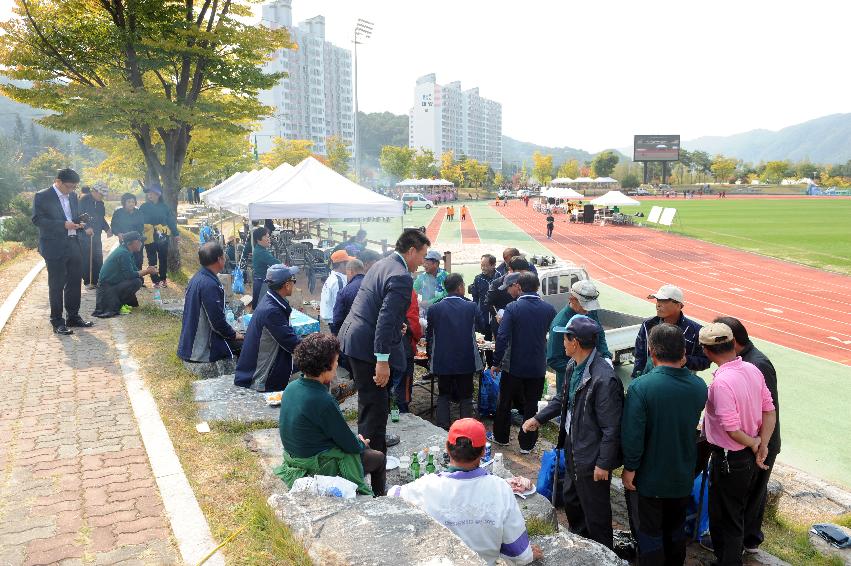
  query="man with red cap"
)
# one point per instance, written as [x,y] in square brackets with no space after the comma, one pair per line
[478,507]
[333,284]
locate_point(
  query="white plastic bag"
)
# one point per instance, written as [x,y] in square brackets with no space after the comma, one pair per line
[325,485]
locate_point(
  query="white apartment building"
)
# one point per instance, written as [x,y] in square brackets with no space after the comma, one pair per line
[444,118]
[314,101]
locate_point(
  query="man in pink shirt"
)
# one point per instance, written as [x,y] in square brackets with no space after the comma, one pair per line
[738,423]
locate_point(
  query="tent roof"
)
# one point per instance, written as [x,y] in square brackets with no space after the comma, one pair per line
[561,192]
[561,180]
[583,180]
[313,190]
[605,180]
[238,202]
[615,198]
[223,185]
[220,198]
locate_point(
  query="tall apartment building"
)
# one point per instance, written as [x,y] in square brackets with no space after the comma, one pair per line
[315,100]
[444,118]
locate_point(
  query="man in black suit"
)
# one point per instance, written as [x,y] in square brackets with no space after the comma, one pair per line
[55,212]
[371,336]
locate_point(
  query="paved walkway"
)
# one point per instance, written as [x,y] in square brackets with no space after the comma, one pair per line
[75,483]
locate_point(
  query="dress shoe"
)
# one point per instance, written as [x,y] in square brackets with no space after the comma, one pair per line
[63,330]
[104,314]
[79,322]
[391,439]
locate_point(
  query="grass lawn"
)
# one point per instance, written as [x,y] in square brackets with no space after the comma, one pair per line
[813,231]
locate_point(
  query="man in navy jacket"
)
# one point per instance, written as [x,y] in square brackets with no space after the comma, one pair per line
[453,354]
[521,355]
[371,335]
[55,212]
[266,359]
[346,296]
[204,331]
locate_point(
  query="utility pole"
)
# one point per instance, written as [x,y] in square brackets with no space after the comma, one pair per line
[363,31]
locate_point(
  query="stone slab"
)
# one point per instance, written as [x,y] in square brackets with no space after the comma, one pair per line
[567,549]
[218,399]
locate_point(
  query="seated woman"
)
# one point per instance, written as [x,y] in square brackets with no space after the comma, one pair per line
[316,438]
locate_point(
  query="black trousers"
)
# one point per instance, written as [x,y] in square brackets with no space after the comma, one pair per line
[659,525]
[258,289]
[111,297]
[587,505]
[373,404]
[63,283]
[755,506]
[529,389]
[374,464]
[462,385]
[91,249]
[729,493]
[549,231]
[158,255]
[139,259]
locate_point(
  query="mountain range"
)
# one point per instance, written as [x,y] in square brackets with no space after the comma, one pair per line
[822,140]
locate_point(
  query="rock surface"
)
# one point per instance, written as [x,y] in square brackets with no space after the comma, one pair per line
[567,549]
[218,399]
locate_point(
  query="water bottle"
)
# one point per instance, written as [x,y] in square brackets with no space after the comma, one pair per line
[158,298]
[498,468]
[487,452]
[404,469]
[229,316]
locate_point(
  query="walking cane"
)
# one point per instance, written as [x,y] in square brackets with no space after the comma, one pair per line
[91,256]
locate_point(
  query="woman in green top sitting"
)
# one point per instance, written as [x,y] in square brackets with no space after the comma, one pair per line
[316,438]
[261,260]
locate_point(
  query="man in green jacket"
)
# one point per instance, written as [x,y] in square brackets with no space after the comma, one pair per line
[261,260]
[582,300]
[658,438]
[119,279]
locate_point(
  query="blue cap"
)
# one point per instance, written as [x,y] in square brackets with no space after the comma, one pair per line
[581,326]
[433,255]
[509,280]
[280,273]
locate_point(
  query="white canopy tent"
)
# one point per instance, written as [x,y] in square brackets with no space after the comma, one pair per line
[605,180]
[615,198]
[264,188]
[561,192]
[220,198]
[583,180]
[223,185]
[313,190]
[561,181]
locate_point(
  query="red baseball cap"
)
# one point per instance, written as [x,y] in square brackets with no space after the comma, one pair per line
[468,428]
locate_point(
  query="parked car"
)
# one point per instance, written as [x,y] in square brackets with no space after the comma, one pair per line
[639,192]
[503,193]
[416,200]
[524,193]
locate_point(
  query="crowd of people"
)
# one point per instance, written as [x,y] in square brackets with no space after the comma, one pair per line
[378,311]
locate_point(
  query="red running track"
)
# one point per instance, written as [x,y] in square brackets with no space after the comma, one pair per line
[800,307]
[433,228]
[469,234]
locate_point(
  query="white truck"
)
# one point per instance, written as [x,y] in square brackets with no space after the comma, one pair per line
[556,279]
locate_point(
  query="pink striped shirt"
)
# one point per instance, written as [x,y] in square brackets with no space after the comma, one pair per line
[737,398]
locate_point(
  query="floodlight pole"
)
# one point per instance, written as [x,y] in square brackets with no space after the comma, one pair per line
[362,32]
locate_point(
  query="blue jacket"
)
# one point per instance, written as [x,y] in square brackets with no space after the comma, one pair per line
[345,298]
[479,292]
[204,329]
[374,323]
[695,359]
[521,342]
[451,337]
[266,360]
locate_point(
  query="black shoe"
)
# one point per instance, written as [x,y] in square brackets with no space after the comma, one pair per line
[391,440]
[79,322]
[103,315]
[63,330]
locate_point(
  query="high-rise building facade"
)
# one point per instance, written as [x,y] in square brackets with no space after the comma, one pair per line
[445,118]
[314,101]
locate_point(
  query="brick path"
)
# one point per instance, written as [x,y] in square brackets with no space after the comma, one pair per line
[75,483]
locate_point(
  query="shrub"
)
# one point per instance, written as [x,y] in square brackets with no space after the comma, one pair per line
[19,228]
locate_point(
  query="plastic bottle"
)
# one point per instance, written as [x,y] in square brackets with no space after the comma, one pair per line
[229,316]
[498,468]
[415,467]
[487,452]
[404,469]
[158,298]
[430,469]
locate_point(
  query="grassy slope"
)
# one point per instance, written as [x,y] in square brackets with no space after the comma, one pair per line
[809,231]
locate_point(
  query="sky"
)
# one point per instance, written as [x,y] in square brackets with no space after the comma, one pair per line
[590,74]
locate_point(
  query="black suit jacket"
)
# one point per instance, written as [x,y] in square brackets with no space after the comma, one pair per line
[48,215]
[374,323]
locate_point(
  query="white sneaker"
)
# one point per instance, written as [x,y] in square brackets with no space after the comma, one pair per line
[522,451]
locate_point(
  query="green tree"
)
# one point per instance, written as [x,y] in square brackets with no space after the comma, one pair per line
[10,173]
[286,151]
[450,170]
[630,181]
[422,166]
[397,161]
[701,162]
[151,70]
[20,227]
[569,169]
[542,167]
[723,168]
[41,170]
[498,180]
[775,171]
[604,163]
[338,154]
[475,173]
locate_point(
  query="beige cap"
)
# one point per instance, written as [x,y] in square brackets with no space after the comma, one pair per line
[715,333]
[671,292]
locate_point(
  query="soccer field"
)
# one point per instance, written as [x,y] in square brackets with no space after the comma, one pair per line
[815,232]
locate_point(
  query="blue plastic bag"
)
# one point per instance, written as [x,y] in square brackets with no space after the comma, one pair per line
[546,475]
[238,280]
[488,393]
[695,502]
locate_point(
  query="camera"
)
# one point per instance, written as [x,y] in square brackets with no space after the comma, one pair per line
[83,218]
